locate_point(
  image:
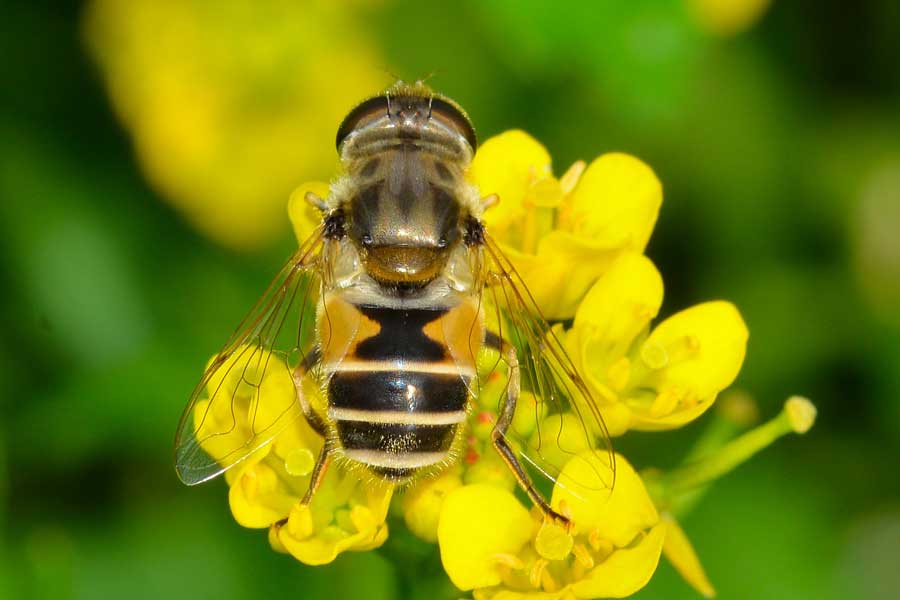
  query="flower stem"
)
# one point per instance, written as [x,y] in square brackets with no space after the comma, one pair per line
[797,416]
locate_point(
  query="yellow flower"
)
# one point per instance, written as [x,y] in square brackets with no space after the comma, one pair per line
[490,543]
[422,504]
[230,105]
[678,490]
[562,234]
[727,17]
[260,396]
[584,234]
[347,512]
[304,216]
[659,379]
[680,552]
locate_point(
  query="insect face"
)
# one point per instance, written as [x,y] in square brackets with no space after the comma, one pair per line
[404,223]
[405,153]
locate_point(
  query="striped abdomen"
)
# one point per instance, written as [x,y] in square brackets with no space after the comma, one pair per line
[397,394]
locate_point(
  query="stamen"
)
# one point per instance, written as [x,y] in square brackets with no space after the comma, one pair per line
[300,523]
[583,556]
[510,561]
[666,401]
[547,581]
[618,373]
[654,355]
[299,462]
[537,572]
[552,541]
[602,547]
[250,484]
[363,519]
[571,177]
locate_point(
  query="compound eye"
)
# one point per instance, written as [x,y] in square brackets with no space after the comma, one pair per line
[452,115]
[367,110]
[366,240]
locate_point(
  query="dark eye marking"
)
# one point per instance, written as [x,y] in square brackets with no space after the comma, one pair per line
[442,171]
[369,168]
[363,213]
[368,109]
[446,215]
[456,117]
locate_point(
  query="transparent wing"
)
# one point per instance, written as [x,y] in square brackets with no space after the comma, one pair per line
[247,395]
[557,419]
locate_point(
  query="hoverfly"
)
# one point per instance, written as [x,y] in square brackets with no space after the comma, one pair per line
[402,276]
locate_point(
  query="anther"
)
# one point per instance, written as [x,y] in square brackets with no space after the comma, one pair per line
[536,572]
[583,556]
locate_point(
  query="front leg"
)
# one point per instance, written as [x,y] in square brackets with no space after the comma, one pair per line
[504,420]
[316,422]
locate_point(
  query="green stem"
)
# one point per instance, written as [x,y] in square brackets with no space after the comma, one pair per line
[680,486]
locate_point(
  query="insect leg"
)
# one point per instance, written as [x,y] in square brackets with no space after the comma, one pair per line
[318,472]
[504,420]
[312,417]
[316,476]
[315,421]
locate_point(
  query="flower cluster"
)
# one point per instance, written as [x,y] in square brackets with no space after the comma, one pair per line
[578,243]
[265,489]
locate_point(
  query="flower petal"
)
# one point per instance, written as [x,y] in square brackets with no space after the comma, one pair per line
[618,515]
[626,571]
[558,438]
[616,202]
[692,356]
[617,309]
[345,514]
[304,216]
[561,272]
[422,504]
[478,522]
[246,400]
[508,165]
[258,498]
[681,554]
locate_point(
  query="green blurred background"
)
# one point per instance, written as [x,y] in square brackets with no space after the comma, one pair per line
[147,150]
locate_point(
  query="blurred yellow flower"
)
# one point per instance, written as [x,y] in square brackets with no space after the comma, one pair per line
[231,105]
[727,17]
[562,234]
